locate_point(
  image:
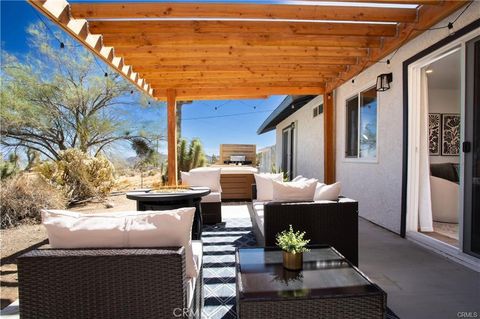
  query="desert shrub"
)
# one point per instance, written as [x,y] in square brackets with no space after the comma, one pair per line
[79,175]
[10,167]
[24,195]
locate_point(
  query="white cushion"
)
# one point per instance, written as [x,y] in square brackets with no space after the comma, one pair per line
[299,178]
[206,177]
[258,212]
[265,186]
[123,229]
[302,191]
[197,248]
[213,197]
[327,192]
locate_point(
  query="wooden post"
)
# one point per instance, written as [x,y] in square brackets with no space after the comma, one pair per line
[329,137]
[172,136]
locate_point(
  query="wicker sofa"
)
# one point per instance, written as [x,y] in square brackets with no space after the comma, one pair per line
[109,283]
[333,223]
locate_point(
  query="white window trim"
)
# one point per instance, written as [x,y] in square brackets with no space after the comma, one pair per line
[359,160]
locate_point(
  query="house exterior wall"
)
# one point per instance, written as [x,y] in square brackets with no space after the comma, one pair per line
[308,147]
[378,185]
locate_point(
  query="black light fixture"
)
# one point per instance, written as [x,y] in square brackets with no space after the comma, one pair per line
[383,82]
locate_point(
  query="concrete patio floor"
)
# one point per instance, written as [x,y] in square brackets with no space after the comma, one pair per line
[419,283]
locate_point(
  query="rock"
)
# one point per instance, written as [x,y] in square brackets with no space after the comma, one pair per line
[109,205]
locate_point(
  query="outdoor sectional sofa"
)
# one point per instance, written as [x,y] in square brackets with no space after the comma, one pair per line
[333,223]
[109,283]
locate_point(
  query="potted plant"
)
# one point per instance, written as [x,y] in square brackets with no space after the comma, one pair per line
[293,246]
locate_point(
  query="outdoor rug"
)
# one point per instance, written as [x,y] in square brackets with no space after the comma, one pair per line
[219,243]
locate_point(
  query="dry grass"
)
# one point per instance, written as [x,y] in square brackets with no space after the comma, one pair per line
[22,197]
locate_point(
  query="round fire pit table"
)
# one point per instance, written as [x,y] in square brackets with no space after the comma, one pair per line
[165,200]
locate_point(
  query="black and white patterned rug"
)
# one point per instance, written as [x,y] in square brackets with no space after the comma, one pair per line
[219,243]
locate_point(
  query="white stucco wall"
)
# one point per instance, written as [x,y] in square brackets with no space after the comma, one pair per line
[308,140]
[378,186]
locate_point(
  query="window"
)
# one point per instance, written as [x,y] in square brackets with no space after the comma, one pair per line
[361,128]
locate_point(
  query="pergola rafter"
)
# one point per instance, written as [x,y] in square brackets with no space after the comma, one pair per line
[191,51]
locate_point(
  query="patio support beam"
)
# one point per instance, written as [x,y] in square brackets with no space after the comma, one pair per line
[136,10]
[329,138]
[172,136]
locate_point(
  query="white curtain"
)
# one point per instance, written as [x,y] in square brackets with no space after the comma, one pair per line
[424,197]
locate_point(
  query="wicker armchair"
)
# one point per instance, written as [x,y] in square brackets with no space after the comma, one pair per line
[333,223]
[107,283]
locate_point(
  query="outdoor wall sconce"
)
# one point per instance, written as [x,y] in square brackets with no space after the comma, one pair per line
[383,81]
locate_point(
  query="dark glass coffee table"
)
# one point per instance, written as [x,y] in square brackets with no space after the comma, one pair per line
[329,286]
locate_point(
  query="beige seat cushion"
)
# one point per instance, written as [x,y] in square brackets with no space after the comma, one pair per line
[197,249]
[258,209]
[167,228]
[203,176]
[301,191]
[213,197]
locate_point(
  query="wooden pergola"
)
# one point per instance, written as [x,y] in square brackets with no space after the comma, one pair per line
[209,51]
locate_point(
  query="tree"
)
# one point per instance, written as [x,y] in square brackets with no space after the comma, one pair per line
[55,99]
[146,154]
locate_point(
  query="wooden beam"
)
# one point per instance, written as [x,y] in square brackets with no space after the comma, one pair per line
[193,94]
[329,142]
[240,75]
[149,69]
[219,96]
[172,136]
[246,62]
[240,11]
[241,27]
[428,16]
[245,84]
[238,39]
[225,51]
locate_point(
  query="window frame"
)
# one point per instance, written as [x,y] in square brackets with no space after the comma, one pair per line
[359,159]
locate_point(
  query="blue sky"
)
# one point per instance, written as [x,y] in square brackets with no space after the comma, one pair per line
[214,122]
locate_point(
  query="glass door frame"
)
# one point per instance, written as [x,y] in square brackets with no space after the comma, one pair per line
[412,74]
[469,137]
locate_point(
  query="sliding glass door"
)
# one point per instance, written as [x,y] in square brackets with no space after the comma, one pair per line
[288,139]
[471,149]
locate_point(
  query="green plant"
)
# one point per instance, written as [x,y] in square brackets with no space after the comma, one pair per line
[292,241]
[10,167]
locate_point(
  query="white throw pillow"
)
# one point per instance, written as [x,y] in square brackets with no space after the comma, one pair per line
[328,192]
[299,178]
[123,229]
[206,177]
[302,191]
[265,186]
